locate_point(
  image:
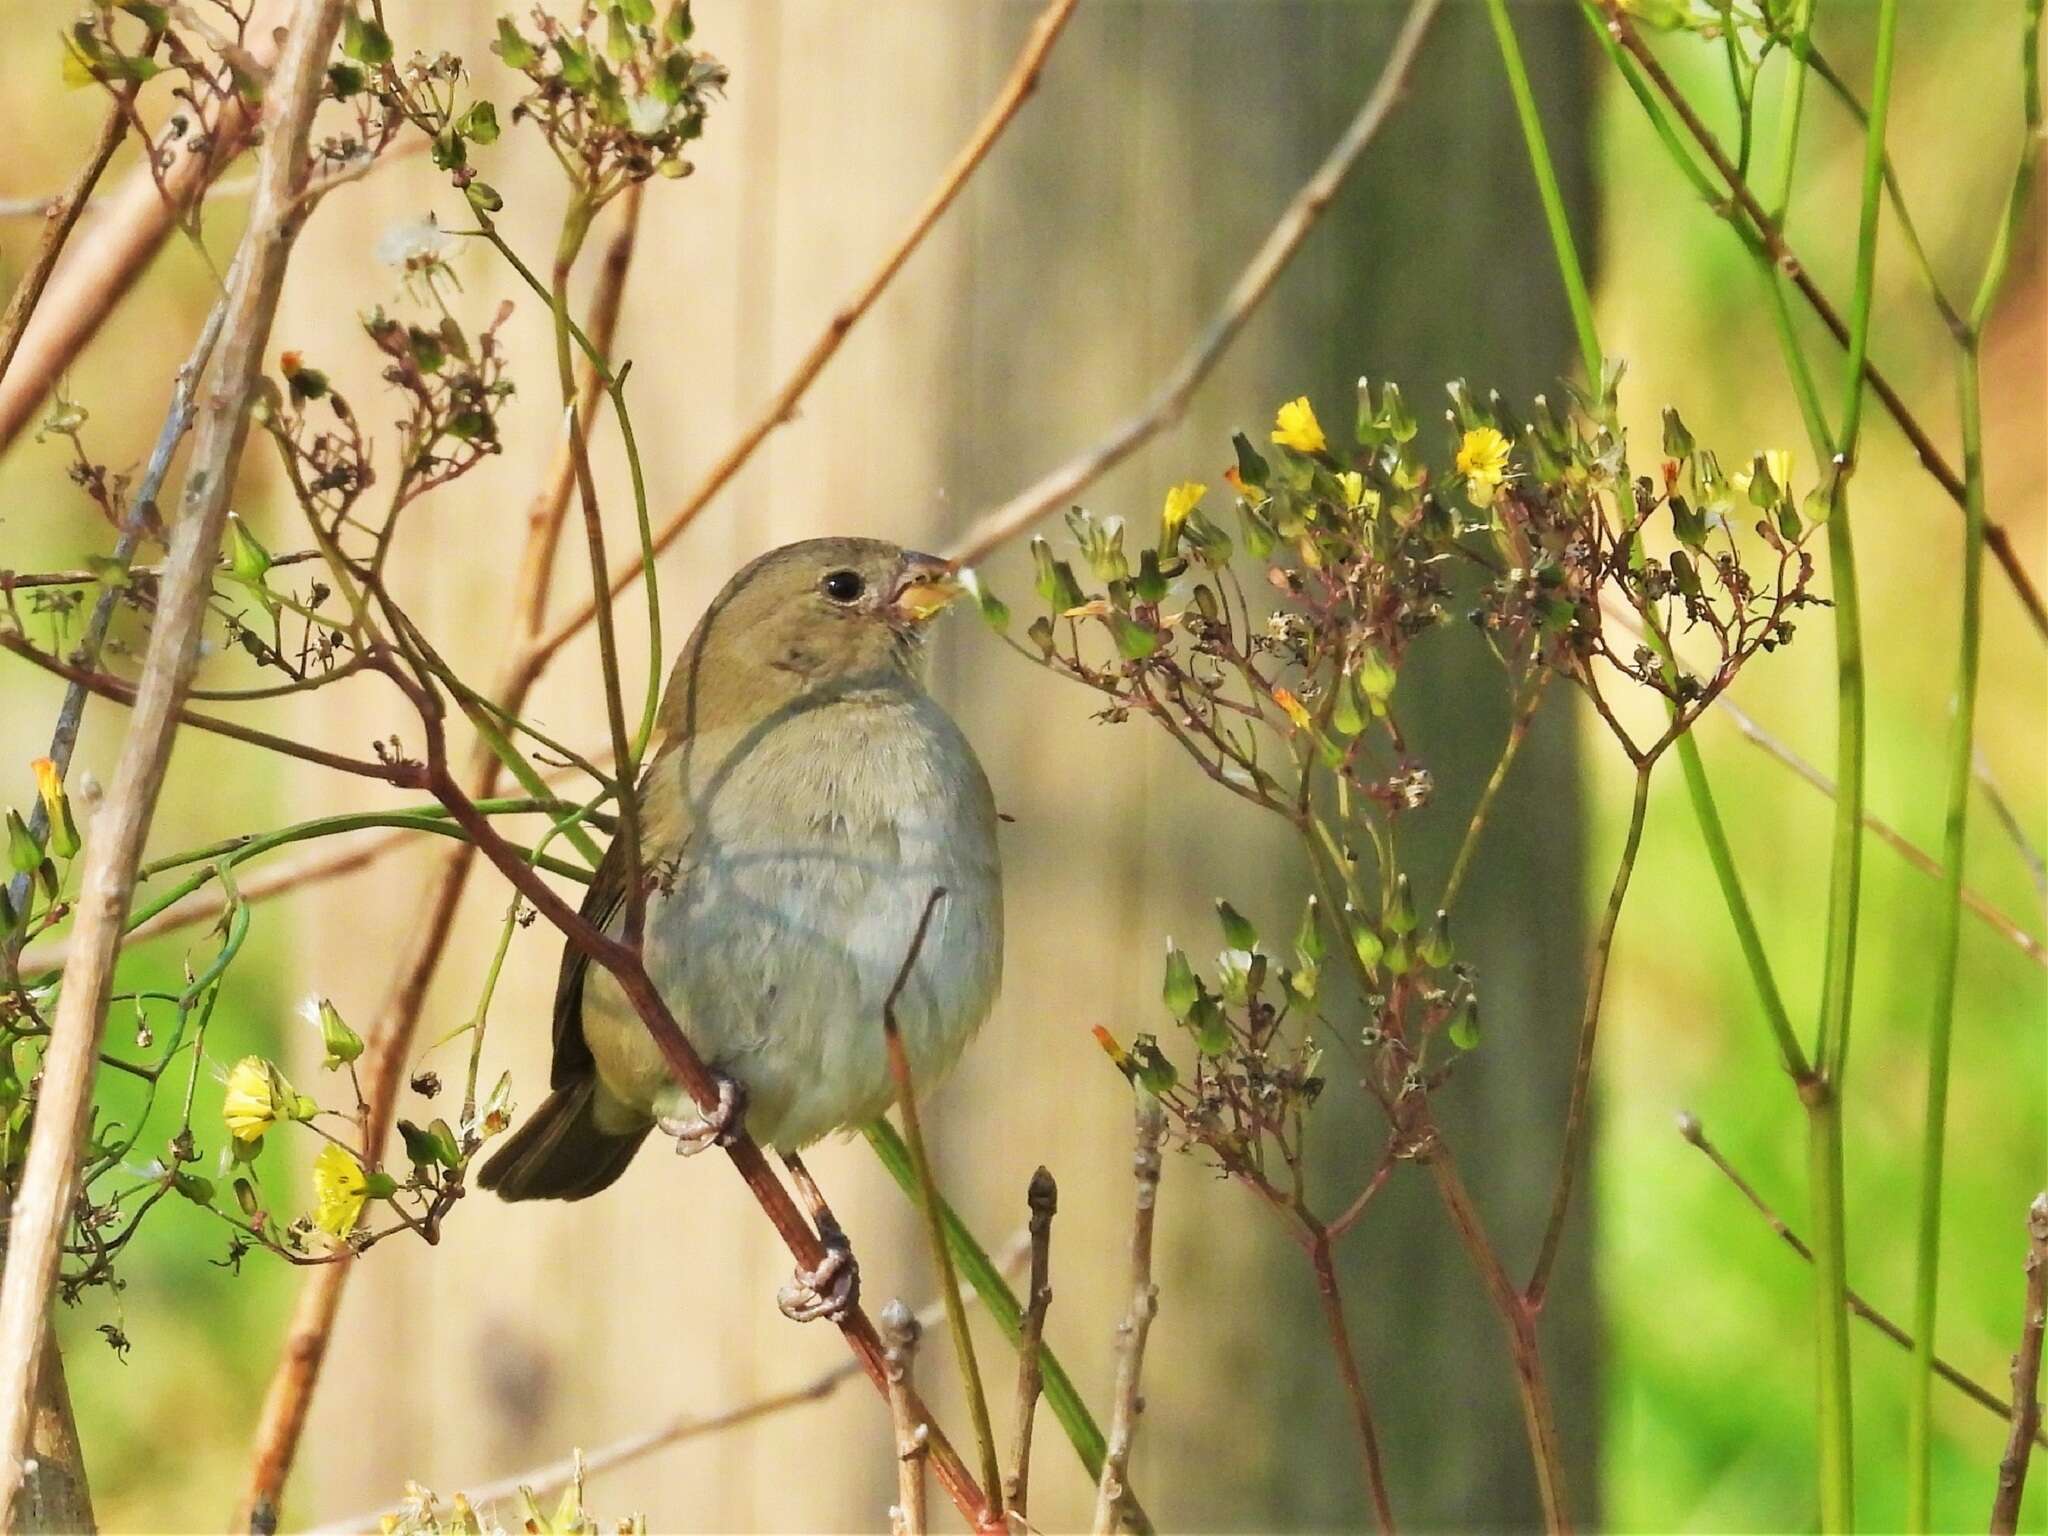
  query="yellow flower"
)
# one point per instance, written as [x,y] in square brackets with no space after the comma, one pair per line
[339,1189]
[1292,708]
[1180,501]
[257,1098]
[1353,484]
[1483,461]
[1295,426]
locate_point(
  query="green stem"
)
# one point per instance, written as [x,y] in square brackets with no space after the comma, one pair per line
[575,226]
[1831,1044]
[1568,265]
[1831,1316]
[1948,939]
[1747,935]
[1962,747]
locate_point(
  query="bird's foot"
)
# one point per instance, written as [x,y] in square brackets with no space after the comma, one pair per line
[717,1127]
[830,1290]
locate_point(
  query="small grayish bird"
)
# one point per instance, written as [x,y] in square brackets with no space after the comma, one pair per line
[806,799]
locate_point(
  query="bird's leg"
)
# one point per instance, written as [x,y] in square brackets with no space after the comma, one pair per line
[720,1126]
[831,1289]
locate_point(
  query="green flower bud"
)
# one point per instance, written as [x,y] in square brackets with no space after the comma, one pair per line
[1238,932]
[1181,990]
[1401,911]
[23,852]
[1435,947]
[343,1044]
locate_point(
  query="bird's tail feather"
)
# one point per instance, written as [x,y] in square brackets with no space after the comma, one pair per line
[560,1154]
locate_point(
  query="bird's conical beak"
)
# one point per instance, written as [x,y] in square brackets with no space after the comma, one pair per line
[926,585]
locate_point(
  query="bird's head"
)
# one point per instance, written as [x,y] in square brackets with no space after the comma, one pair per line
[821,613]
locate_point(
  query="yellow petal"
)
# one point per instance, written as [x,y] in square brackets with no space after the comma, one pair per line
[1180,501]
[1295,426]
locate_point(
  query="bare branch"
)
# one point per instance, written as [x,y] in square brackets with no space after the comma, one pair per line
[2026,1377]
[1167,406]
[1150,1122]
[1904,846]
[60,218]
[43,1202]
[1787,261]
[900,1333]
[138,217]
[1016,90]
[1044,1199]
[388,1043]
[1689,1127]
[930,1207]
[684,1427]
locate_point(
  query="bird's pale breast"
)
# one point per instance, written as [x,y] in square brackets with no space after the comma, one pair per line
[814,841]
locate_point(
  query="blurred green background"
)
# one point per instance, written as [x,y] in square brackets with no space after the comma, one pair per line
[1705,1354]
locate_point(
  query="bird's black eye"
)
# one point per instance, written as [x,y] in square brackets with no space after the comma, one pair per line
[843,586]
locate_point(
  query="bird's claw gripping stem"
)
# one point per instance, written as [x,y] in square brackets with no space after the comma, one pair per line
[720,1126]
[830,1290]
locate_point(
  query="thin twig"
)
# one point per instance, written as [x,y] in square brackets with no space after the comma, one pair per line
[900,1333]
[1053,490]
[1725,706]
[1987,781]
[1767,231]
[1016,90]
[43,1203]
[1149,1119]
[1323,1261]
[1690,1128]
[2026,1377]
[688,1069]
[140,215]
[930,1206]
[60,218]
[141,514]
[388,1044]
[1043,1197]
[1578,1114]
[549,1476]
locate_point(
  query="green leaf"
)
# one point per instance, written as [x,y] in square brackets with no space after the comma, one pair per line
[1154,1073]
[680,26]
[1134,642]
[1259,537]
[344,80]
[425,1146]
[479,124]
[427,351]
[994,611]
[1150,586]
[483,197]
[516,52]
[1209,1027]
[365,41]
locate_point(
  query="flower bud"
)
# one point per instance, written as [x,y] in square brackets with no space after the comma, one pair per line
[63,831]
